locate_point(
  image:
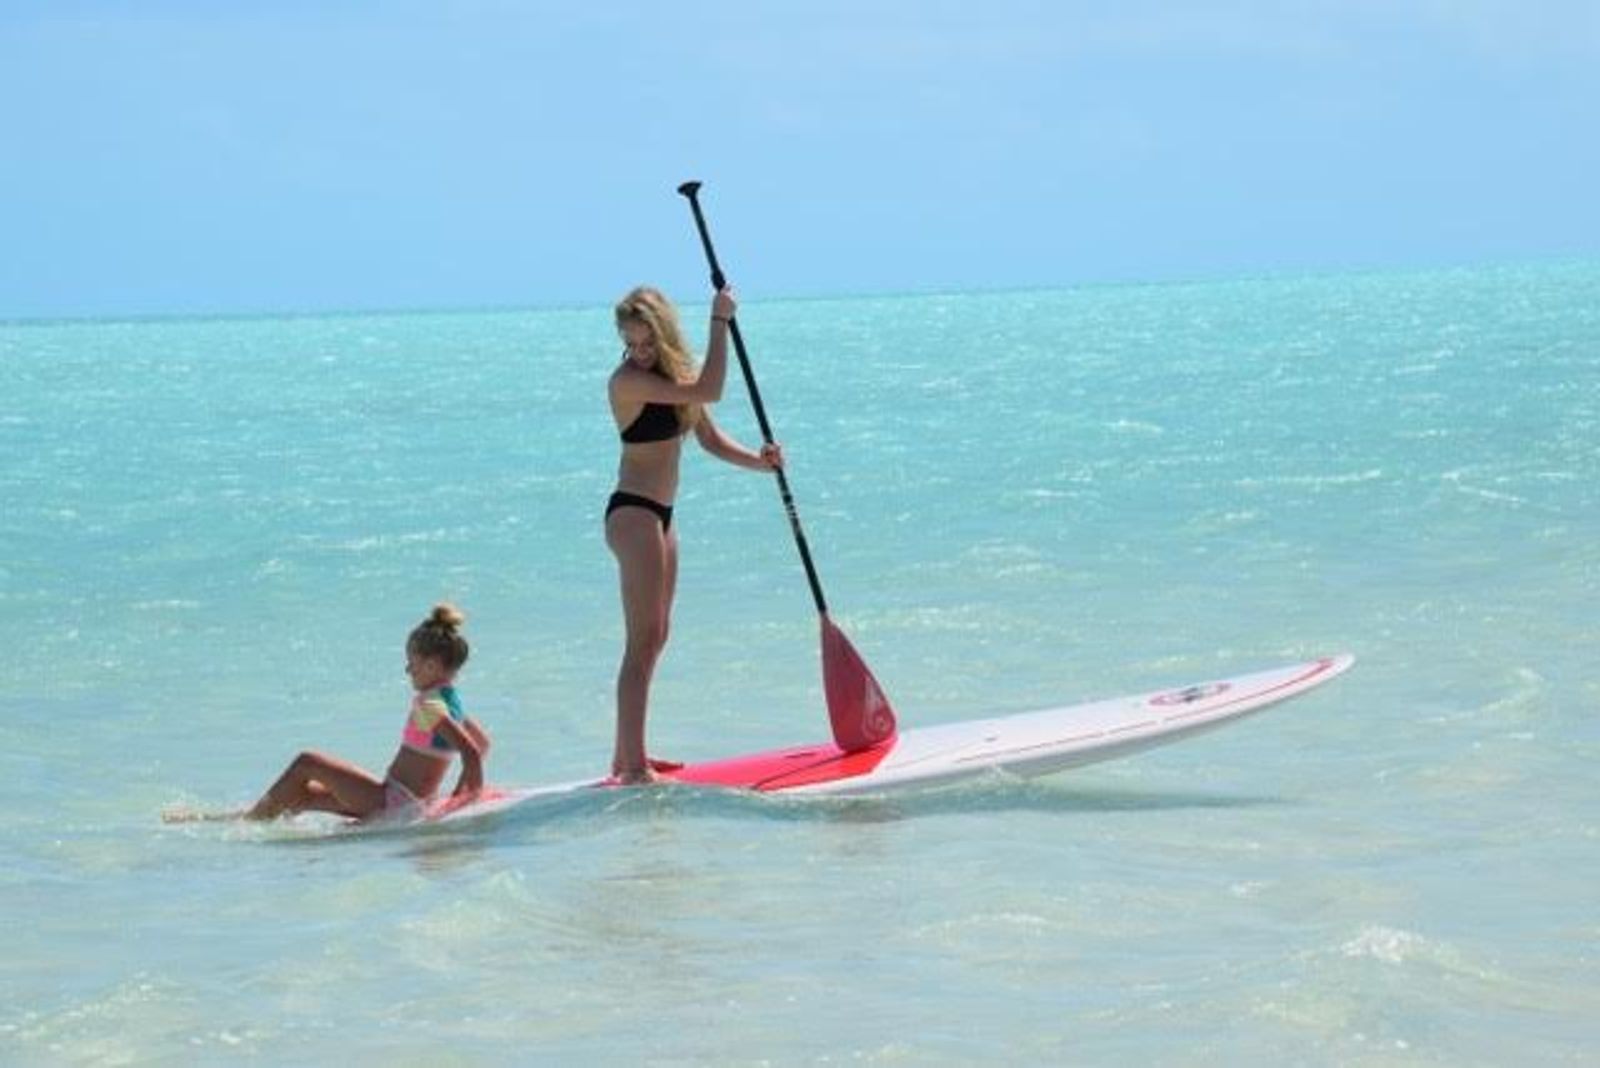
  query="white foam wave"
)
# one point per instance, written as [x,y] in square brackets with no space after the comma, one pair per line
[1387,944]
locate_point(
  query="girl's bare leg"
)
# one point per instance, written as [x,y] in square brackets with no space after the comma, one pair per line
[317,782]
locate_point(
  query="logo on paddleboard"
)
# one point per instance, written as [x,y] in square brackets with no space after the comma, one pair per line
[1190,694]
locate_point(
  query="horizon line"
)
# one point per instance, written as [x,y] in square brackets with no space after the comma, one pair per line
[1263,274]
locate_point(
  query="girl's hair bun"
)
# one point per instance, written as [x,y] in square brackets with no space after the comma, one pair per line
[447,615]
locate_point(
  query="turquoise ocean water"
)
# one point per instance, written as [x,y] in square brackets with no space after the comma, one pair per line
[217,532]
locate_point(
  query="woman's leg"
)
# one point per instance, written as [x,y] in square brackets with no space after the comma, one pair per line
[669,581]
[670,585]
[636,539]
[316,781]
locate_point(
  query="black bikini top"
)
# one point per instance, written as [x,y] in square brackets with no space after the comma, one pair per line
[656,422]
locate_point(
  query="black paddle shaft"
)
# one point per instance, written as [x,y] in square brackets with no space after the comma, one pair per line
[691,190]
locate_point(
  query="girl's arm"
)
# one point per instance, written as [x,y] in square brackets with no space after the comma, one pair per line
[720,445]
[466,738]
[480,735]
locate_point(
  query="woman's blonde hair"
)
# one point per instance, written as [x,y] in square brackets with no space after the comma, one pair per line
[650,308]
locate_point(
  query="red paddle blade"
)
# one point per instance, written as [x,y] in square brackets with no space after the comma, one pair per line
[857,709]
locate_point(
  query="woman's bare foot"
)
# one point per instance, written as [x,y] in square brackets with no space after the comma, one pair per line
[644,776]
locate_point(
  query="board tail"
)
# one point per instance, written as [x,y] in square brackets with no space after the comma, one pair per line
[858,711]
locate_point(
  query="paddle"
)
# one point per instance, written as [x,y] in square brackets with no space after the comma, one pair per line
[858,711]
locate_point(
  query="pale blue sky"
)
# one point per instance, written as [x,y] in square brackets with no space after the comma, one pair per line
[169,157]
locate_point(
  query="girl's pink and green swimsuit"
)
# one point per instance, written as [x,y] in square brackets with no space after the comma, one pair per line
[421,733]
[428,708]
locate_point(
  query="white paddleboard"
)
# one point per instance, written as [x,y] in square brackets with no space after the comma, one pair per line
[1027,744]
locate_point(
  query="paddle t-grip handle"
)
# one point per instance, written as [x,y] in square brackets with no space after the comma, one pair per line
[691,190]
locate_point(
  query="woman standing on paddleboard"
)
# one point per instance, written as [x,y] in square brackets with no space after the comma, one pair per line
[657,397]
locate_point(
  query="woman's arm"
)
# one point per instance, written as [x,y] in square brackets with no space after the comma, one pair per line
[720,445]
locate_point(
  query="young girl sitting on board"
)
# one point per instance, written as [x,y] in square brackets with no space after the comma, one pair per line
[435,730]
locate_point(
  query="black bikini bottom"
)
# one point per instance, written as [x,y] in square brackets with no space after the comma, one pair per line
[662,512]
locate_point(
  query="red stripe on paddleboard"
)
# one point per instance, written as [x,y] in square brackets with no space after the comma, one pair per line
[781,769]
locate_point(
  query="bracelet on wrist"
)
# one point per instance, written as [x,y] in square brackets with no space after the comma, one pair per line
[720,319]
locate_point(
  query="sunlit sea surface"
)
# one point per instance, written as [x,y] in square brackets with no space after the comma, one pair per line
[216,534]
